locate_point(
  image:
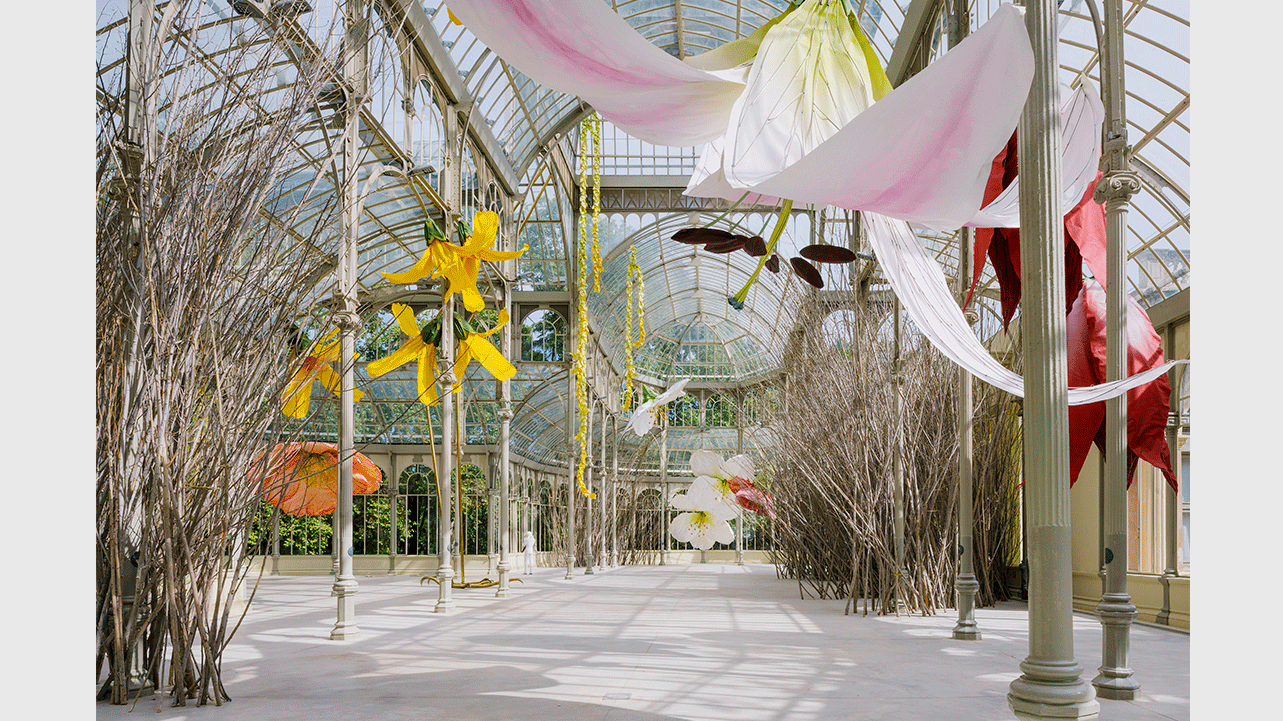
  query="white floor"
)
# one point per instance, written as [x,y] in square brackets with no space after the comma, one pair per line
[699,642]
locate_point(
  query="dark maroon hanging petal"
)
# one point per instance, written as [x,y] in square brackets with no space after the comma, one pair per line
[698,236]
[773,263]
[827,254]
[755,246]
[806,272]
[725,246]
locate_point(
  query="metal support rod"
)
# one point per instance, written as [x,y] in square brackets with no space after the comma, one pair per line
[276,543]
[572,412]
[663,477]
[588,476]
[1050,685]
[603,557]
[739,510]
[614,494]
[392,484]
[504,534]
[445,489]
[1172,511]
[897,460]
[966,584]
[1116,611]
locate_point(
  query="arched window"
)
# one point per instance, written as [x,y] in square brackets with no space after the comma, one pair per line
[543,337]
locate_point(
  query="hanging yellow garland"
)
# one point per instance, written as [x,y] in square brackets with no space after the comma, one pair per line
[634,277]
[579,371]
[595,122]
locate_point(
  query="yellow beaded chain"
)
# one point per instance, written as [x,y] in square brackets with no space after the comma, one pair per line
[596,201]
[631,373]
[580,370]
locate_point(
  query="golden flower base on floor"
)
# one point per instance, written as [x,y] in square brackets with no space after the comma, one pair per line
[483,583]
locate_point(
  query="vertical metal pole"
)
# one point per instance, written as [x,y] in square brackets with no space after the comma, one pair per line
[445,466]
[276,543]
[1171,520]
[393,482]
[614,493]
[1116,611]
[345,586]
[1050,686]
[588,478]
[663,477]
[966,584]
[603,557]
[572,457]
[897,462]
[505,433]
[739,510]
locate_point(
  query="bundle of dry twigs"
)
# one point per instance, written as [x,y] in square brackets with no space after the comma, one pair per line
[198,306]
[835,431]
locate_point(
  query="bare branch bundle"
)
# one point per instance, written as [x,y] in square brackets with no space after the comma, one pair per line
[833,482]
[198,302]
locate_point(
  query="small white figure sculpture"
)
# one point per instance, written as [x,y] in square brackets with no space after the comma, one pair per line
[528,547]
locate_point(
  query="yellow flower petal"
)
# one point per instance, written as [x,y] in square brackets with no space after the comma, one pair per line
[297,395]
[490,357]
[496,255]
[423,267]
[485,228]
[405,319]
[408,351]
[501,322]
[426,379]
[328,378]
[461,362]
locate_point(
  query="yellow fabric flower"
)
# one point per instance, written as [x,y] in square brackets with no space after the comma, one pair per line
[297,396]
[414,348]
[475,345]
[460,264]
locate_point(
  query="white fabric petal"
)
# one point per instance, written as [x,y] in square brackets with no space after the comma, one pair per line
[740,466]
[682,502]
[703,493]
[1080,122]
[643,419]
[809,79]
[584,48]
[923,152]
[705,463]
[680,527]
[919,283]
[673,392]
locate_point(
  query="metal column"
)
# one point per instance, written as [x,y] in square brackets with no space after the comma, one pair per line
[1116,611]
[1050,685]
[663,477]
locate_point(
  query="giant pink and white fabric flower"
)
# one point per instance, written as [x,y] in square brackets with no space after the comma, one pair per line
[705,519]
[808,121]
[732,480]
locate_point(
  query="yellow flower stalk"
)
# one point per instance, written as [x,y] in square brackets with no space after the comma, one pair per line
[296,398]
[459,264]
[421,347]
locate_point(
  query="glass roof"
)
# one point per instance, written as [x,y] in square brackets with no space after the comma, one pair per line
[519,133]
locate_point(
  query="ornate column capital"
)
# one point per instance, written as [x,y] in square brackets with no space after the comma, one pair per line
[505,414]
[1117,186]
[348,321]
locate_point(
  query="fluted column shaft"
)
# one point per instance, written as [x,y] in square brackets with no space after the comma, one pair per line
[1050,686]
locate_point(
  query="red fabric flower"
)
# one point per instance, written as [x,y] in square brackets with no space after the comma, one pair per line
[1084,239]
[303,478]
[1147,406]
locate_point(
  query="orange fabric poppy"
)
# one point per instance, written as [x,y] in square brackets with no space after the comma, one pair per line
[303,478]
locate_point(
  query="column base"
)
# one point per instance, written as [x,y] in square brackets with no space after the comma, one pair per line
[966,587]
[276,566]
[963,632]
[1054,692]
[1116,688]
[345,627]
[445,591]
[588,567]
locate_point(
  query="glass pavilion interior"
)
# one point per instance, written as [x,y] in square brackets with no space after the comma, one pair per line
[442,128]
